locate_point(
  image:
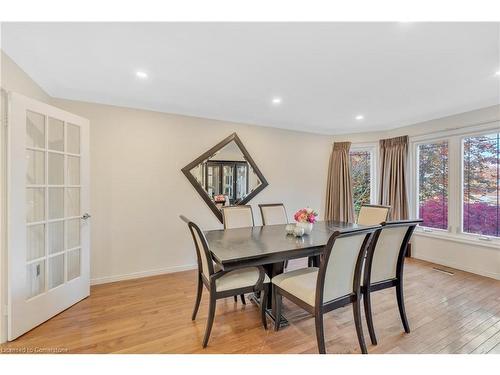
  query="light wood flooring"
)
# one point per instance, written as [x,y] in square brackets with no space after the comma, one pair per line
[457,313]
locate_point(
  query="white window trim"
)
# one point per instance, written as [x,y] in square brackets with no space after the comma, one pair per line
[373,149]
[455,183]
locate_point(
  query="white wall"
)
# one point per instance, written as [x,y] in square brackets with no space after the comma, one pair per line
[138,189]
[483,259]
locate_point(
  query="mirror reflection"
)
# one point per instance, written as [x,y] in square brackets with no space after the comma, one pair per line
[226,176]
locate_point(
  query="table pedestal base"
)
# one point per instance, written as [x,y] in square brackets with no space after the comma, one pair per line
[269,312]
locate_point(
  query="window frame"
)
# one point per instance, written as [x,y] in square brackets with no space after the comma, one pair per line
[415,169]
[455,138]
[373,149]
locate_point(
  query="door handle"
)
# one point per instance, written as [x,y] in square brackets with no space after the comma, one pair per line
[86,216]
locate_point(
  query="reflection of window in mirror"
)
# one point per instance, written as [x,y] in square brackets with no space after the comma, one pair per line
[225,175]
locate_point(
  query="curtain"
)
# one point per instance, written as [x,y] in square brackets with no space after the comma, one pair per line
[393,170]
[339,205]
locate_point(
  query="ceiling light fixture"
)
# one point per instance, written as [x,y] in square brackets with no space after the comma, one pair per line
[141,74]
[276,101]
[497,73]
[359,117]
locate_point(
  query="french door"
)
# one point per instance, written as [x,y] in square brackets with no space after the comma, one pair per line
[48,198]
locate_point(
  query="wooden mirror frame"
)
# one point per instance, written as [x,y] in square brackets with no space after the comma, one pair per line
[206,155]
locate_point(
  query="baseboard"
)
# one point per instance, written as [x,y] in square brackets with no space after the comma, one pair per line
[137,275]
[458,266]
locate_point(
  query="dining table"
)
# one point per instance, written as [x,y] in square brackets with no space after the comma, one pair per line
[270,246]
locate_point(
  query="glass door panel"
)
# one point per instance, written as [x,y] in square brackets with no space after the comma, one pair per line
[35,241]
[35,204]
[56,169]
[56,237]
[56,134]
[56,203]
[35,278]
[35,130]
[35,161]
[73,264]
[73,139]
[56,270]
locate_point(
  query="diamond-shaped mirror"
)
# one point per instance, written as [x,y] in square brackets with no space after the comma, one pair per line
[225,175]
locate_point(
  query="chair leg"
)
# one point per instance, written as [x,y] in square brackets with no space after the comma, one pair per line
[236,299]
[263,302]
[242,296]
[369,316]
[210,321]
[401,306]
[277,309]
[356,307]
[320,333]
[198,298]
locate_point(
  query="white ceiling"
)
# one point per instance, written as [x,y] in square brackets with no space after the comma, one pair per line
[394,74]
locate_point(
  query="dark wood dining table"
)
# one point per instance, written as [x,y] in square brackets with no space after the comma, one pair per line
[270,246]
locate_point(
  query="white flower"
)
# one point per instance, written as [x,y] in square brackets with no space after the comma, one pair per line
[309,210]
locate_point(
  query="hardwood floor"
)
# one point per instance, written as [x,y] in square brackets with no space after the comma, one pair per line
[457,313]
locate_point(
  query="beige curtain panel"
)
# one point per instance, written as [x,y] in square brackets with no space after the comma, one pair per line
[339,205]
[393,169]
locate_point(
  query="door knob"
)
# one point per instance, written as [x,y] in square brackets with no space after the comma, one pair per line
[85,216]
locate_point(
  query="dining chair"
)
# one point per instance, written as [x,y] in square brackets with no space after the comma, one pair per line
[237,217]
[384,267]
[222,284]
[273,214]
[371,214]
[336,283]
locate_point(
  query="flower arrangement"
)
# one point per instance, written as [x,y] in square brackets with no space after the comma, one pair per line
[305,215]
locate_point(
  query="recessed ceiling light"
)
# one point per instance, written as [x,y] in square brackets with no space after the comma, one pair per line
[497,73]
[141,74]
[359,117]
[276,101]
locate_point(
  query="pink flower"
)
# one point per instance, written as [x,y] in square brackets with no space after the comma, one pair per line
[306,215]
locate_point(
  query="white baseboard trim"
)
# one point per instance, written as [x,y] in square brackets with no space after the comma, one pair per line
[137,275]
[458,266]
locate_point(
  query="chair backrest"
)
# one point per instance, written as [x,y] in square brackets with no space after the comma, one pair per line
[273,214]
[204,258]
[385,257]
[371,214]
[237,216]
[341,267]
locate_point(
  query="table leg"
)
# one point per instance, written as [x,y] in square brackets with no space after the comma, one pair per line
[274,270]
[271,270]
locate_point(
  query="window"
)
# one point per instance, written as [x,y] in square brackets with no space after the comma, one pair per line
[363,177]
[433,184]
[455,183]
[481,184]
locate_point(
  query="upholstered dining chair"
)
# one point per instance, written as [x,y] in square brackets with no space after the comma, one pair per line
[371,214]
[384,267]
[222,284]
[336,283]
[273,214]
[237,217]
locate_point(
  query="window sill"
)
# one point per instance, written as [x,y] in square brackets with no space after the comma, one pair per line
[469,240]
